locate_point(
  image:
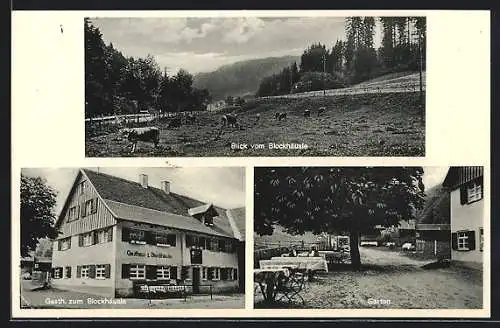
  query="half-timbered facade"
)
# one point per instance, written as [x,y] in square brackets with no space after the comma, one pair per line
[117,234]
[465,185]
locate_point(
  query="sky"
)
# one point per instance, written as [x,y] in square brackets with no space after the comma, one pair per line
[222,186]
[204,44]
[434,175]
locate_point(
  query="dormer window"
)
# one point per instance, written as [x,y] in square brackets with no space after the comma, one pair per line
[208,220]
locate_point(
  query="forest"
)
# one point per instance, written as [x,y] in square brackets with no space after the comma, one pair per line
[355,59]
[115,84]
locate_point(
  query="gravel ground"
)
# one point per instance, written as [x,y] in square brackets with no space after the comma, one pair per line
[392,280]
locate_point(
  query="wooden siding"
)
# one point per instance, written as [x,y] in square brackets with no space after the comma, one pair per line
[101,219]
[458,176]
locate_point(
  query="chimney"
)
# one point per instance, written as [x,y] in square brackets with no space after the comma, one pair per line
[143,180]
[165,186]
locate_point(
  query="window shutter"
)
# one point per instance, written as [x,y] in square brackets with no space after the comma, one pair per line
[94,237]
[80,240]
[235,274]
[107,271]
[82,210]
[125,271]
[68,272]
[110,234]
[173,272]
[150,272]
[77,212]
[454,241]
[125,234]
[171,238]
[463,194]
[471,238]
[78,271]
[59,245]
[53,272]
[210,273]
[92,271]
[94,205]
[150,237]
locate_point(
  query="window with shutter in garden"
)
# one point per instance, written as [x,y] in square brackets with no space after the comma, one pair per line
[474,191]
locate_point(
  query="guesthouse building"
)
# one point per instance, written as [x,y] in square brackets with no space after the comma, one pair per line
[465,185]
[120,238]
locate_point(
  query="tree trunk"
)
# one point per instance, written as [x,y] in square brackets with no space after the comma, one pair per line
[354,246]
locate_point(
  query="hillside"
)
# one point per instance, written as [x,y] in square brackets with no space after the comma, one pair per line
[242,77]
[437,207]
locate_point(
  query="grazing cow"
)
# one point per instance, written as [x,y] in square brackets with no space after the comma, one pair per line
[280,116]
[190,118]
[175,123]
[257,117]
[307,113]
[148,134]
[230,120]
[321,110]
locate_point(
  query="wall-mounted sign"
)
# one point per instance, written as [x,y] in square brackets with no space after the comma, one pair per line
[196,256]
[148,254]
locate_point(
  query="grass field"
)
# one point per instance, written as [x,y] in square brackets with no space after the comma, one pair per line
[386,124]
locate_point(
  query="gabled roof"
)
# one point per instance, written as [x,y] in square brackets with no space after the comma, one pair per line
[237,220]
[459,175]
[145,215]
[199,209]
[128,200]
[130,192]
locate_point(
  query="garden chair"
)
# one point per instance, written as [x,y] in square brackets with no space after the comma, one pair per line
[291,287]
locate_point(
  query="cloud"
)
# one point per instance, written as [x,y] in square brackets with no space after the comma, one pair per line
[434,175]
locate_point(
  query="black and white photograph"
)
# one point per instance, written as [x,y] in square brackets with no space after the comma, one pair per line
[133,238]
[214,86]
[369,237]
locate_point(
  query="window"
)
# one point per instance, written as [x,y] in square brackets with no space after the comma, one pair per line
[463,243]
[481,239]
[68,272]
[167,240]
[214,273]
[87,239]
[64,244]
[104,235]
[137,272]
[73,213]
[214,245]
[137,236]
[474,192]
[58,273]
[235,274]
[85,271]
[89,207]
[163,273]
[83,187]
[100,271]
[204,273]
[228,247]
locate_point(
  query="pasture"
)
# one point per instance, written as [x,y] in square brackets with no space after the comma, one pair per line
[384,124]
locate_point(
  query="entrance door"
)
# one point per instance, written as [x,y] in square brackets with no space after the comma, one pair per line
[196,280]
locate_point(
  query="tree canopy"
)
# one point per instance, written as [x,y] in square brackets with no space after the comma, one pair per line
[336,200]
[37,213]
[117,84]
[356,59]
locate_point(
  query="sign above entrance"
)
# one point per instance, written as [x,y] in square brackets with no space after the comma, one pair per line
[148,254]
